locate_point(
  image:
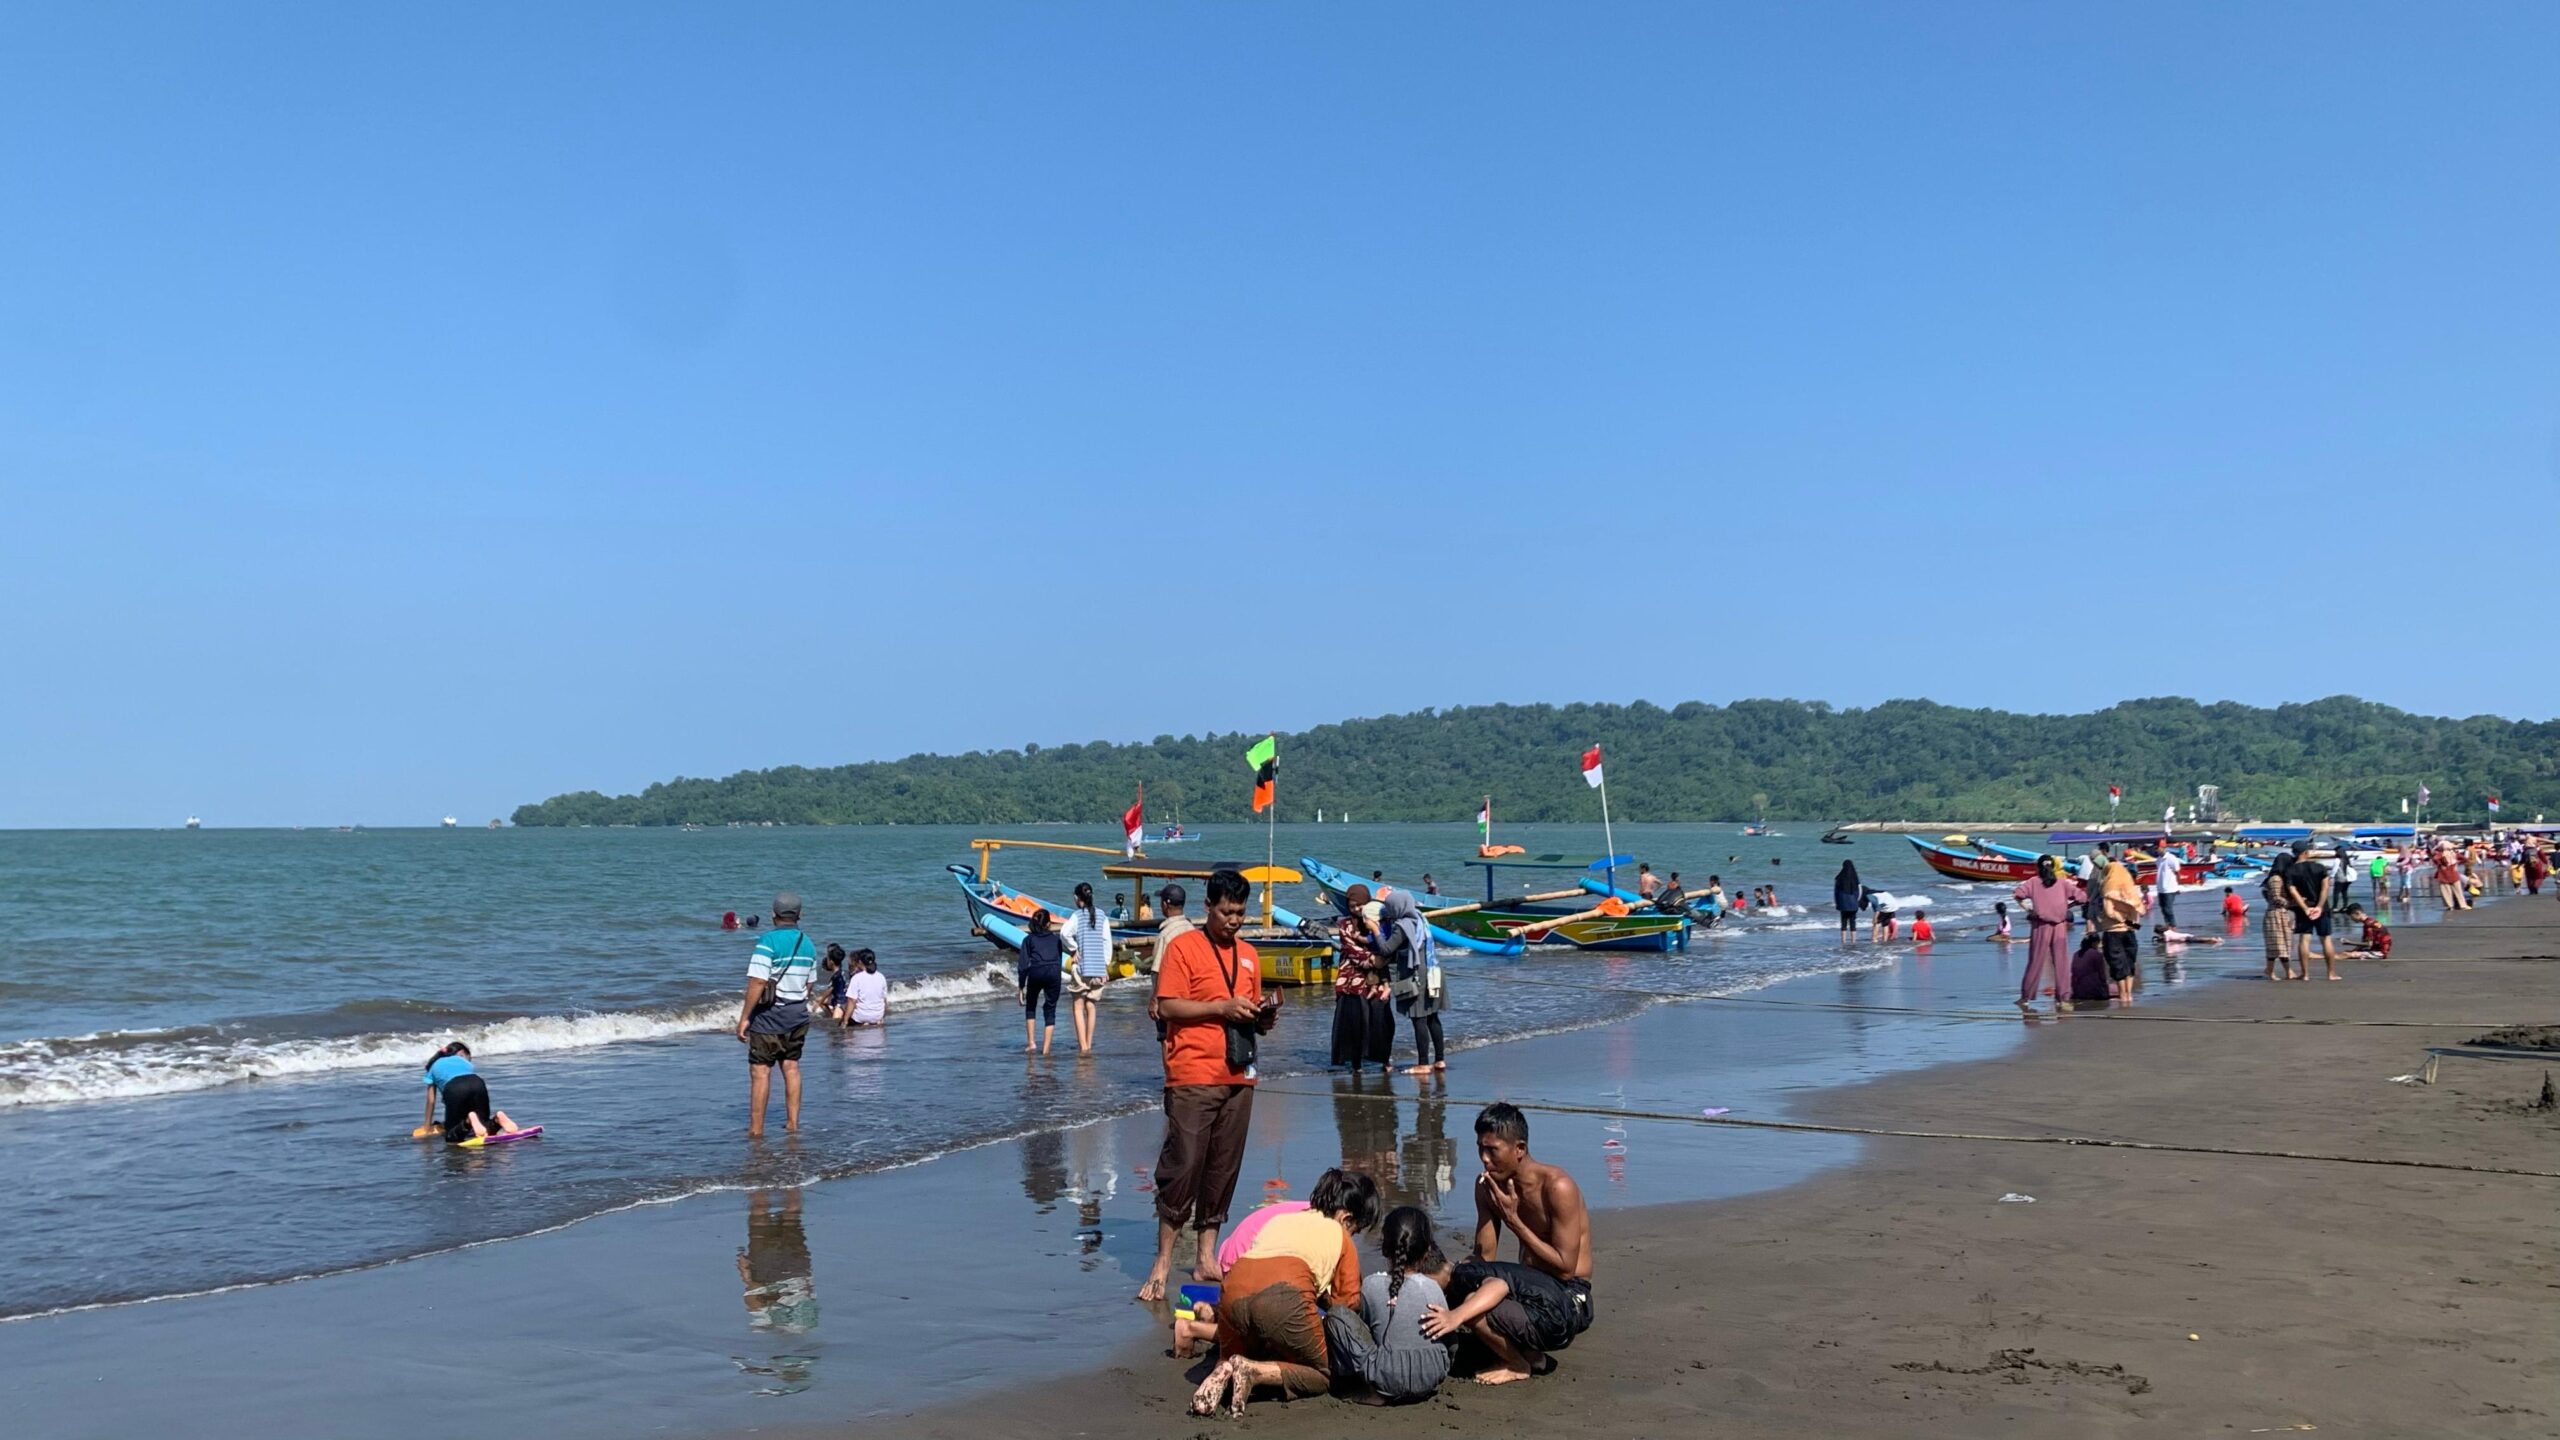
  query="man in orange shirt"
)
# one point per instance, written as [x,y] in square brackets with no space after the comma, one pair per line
[1209,996]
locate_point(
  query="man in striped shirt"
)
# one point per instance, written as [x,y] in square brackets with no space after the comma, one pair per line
[773,1021]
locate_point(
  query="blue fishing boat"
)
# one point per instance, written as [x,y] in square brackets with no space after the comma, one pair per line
[1335,885]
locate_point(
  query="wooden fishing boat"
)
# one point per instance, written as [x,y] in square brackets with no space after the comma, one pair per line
[1290,951]
[2141,851]
[1959,858]
[1335,884]
[1635,929]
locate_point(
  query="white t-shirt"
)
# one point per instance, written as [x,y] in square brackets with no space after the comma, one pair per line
[869,994]
[2164,876]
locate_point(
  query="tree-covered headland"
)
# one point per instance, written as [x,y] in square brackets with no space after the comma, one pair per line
[2334,759]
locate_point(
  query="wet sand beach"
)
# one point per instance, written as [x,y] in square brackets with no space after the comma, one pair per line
[2144,1292]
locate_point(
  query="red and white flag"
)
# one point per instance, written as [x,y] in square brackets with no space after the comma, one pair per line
[2493,804]
[1135,822]
[1591,767]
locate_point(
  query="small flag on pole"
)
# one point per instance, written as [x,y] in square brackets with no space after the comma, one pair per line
[1264,757]
[2115,796]
[2493,804]
[1484,822]
[1135,820]
[2404,804]
[1591,767]
[2422,794]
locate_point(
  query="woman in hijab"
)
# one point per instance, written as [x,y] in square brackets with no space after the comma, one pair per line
[1848,895]
[1364,1028]
[1404,943]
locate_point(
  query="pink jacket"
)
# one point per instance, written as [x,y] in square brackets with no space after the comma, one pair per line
[2049,904]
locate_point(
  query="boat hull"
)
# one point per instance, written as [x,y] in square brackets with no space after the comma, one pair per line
[1972,865]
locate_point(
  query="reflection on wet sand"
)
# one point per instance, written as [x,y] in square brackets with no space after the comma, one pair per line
[1412,1167]
[1094,1177]
[781,1296]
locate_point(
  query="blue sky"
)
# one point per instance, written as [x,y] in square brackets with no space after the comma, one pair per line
[408,410]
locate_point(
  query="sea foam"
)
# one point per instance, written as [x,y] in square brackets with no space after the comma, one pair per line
[127,1064]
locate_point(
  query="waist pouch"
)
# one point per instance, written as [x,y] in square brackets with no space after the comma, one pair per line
[1243,1046]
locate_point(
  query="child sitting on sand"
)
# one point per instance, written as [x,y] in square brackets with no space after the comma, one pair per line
[467,1115]
[1378,1352]
[2233,907]
[2001,934]
[2376,937]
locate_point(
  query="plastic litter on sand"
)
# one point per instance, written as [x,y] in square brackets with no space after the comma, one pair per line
[2014,1198]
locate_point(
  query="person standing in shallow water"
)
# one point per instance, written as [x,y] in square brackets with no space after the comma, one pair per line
[1848,894]
[1404,943]
[1364,1027]
[773,1020]
[1088,935]
[1209,997]
[2048,900]
[1038,973]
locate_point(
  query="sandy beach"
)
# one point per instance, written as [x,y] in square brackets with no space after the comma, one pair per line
[2401,1286]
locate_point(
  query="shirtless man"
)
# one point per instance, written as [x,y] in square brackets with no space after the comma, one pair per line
[1519,1312]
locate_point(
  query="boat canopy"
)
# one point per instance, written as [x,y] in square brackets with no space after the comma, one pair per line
[2537,829]
[1198,870]
[2273,832]
[2385,832]
[1553,862]
[2108,837]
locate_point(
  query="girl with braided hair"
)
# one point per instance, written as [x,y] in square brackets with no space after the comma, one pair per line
[1379,1354]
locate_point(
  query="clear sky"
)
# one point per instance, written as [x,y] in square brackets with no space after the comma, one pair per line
[412,409]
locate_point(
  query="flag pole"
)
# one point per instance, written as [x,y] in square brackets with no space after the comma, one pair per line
[1608,842]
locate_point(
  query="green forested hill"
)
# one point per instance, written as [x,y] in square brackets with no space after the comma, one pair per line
[2334,759]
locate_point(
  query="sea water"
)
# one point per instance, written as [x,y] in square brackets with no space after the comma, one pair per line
[211,1042]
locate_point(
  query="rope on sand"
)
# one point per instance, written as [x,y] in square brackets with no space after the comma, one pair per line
[2006,1017]
[1812,1128]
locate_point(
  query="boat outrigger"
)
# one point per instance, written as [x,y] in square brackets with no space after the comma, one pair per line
[1291,951]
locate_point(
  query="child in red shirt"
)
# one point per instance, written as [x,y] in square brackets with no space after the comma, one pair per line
[2376,939]
[1921,934]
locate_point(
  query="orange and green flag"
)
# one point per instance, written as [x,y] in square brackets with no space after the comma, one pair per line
[1264,757]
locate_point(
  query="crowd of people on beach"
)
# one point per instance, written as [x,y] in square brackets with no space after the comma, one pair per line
[1283,1298]
[2307,903]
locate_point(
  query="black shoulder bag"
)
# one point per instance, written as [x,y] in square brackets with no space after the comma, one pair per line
[1244,1045]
